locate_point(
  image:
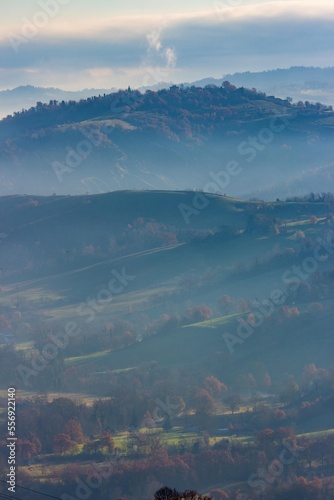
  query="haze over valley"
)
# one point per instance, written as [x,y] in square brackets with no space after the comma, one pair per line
[166,250]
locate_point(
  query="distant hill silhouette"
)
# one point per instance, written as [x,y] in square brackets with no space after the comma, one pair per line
[26,96]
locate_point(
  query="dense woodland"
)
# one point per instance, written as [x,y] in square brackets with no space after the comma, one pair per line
[177,110]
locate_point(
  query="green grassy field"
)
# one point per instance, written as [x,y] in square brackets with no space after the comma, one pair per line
[156,271]
[184,346]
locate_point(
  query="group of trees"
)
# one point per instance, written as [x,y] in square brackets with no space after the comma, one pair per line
[177,111]
[171,494]
[234,463]
[87,432]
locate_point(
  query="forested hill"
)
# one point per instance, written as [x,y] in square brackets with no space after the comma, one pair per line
[168,139]
[191,110]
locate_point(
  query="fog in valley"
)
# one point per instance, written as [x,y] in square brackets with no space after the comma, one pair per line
[166,251]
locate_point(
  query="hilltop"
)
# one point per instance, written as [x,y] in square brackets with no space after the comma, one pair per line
[169,139]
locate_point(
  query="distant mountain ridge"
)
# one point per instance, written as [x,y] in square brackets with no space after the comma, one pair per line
[298,82]
[26,96]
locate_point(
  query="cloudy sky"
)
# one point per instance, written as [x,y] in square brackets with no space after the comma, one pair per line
[75,44]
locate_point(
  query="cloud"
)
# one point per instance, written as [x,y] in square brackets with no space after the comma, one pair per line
[177,47]
[154,41]
[120,27]
[170,57]
[165,56]
[253,44]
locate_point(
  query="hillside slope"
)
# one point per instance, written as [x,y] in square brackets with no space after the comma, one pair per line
[179,138]
[145,286]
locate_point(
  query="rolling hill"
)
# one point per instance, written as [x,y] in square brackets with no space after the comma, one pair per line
[301,83]
[62,253]
[132,311]
[172,139]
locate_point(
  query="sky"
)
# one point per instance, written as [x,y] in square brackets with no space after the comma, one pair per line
[76,44]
